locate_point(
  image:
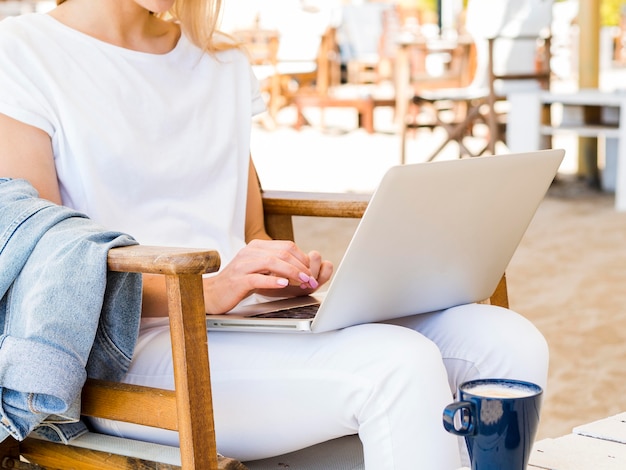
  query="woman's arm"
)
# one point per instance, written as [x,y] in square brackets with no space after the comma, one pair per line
[255,224]
[264,266]
[318,270]
[26,152]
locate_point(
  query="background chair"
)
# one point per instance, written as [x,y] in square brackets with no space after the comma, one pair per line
[349,75]
[359,38]
[329,92]
[512,44]
[188,409]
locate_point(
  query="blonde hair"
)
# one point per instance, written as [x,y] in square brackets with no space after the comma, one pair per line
[199,20]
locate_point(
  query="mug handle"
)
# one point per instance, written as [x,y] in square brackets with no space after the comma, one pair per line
[467,425]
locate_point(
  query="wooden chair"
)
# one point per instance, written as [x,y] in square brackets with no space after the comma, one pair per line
[328,91]
[512,54]
[359,37]
[189,408]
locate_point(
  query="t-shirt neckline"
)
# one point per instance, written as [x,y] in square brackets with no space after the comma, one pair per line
[101,43]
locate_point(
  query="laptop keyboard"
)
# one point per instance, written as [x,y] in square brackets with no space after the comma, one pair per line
[302,312]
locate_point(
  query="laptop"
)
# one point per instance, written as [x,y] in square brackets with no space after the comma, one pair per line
[434,235]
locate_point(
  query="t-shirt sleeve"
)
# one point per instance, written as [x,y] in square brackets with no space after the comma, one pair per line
[20,85]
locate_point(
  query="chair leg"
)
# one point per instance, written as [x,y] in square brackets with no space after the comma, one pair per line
[188,328]
[403,133]
[300,119]
[456,132]
[366,116]
[9,453]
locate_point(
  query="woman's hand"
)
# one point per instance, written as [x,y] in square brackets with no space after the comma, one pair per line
[267,267]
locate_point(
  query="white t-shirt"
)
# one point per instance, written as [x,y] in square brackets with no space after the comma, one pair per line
[154,145]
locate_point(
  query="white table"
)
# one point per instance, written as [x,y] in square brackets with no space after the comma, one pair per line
[600,445]
[526,129]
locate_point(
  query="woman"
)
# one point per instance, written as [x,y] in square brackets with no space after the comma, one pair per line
[143,123]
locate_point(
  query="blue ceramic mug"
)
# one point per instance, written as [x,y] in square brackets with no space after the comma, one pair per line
[499,420]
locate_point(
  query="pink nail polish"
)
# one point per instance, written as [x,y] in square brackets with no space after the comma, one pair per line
[304,277]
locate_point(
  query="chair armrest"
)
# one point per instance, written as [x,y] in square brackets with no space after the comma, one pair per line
[315,204]
[163,260]
[280,206]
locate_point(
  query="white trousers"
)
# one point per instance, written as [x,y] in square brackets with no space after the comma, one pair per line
[276,393]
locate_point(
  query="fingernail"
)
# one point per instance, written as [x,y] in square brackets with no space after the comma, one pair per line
[281,281]
[313,283]
[304,277]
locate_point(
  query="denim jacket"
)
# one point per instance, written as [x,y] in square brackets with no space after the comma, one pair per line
[63,316]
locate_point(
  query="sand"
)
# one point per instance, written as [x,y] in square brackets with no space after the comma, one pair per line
[568,276]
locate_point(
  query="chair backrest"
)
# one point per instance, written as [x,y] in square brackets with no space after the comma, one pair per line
[515,27]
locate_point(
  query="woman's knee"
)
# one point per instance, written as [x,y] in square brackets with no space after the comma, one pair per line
[510,344]
[390,349]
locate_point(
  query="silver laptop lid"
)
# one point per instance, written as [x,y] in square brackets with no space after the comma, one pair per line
[436,235]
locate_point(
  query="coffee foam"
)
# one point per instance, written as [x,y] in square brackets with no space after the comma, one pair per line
[501,390]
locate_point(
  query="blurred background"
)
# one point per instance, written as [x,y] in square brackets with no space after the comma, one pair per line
[354,87]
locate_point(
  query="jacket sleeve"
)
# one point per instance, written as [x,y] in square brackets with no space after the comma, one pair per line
[63,312]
